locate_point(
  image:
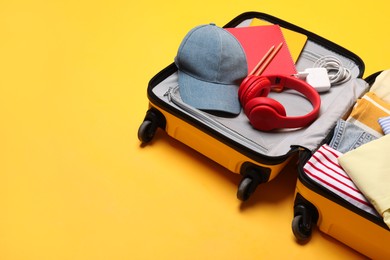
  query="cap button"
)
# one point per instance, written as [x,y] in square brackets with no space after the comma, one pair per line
[212,24]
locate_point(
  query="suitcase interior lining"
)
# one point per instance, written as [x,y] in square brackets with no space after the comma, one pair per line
[334,104]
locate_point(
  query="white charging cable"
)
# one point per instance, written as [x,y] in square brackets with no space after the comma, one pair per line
[338,74]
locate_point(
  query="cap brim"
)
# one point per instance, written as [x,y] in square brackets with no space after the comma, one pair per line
[207,96]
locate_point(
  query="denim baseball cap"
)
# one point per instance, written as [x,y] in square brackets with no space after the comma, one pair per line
[211,65]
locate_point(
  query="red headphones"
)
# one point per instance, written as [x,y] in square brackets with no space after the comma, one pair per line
[265,113]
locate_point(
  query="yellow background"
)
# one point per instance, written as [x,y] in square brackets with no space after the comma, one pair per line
[75,182]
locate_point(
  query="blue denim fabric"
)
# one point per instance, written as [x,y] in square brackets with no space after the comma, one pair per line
[212,63]
[348,136]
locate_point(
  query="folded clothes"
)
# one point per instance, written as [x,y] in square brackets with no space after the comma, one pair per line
[384,122]
[324,169]
[368,167]
[381,86]
[366,112]
[348,136]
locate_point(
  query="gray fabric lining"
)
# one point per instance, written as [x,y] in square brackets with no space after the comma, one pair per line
[334,104]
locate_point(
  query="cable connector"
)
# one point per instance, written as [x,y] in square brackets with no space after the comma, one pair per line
[318,78]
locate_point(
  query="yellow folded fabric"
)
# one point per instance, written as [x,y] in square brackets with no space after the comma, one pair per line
[381,86]
[368,167]
[366,112]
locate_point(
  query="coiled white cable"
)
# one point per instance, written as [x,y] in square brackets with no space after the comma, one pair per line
[338,74]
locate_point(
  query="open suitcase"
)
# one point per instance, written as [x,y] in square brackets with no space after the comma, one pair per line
[330,201]
[232,142]
[260,155]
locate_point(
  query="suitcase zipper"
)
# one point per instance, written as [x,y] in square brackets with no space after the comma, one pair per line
[173,97]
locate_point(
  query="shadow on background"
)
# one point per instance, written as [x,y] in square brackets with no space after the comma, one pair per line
[276,190]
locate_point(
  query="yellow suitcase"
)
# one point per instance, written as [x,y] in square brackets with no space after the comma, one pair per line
[257,156]
[337,212]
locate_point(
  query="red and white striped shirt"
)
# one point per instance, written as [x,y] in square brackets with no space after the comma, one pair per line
[323,168]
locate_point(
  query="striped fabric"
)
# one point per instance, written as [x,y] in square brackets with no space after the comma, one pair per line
[323,168]
[385,124]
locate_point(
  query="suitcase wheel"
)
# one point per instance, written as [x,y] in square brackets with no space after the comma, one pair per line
[302,231]
[153,120]
[252,176]
[305,217]
[146,131]
[246,187]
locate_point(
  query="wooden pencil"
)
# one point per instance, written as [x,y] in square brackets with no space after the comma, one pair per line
[268,60]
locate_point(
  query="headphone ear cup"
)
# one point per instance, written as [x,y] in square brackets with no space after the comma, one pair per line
[260,102]
[254,87]
[264,113]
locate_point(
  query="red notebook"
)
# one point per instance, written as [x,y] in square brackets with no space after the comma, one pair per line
[257,40]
